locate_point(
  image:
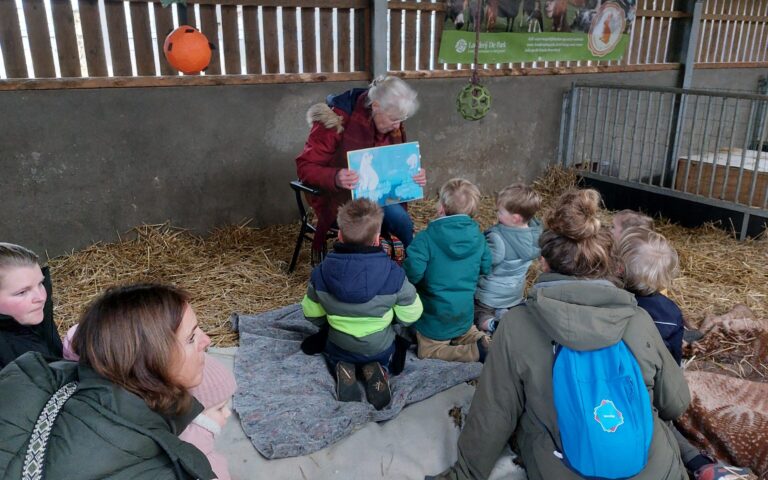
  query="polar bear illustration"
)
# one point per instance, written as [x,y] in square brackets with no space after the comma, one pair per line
[369,179]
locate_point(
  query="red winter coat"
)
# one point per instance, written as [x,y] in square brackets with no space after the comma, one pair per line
[342,125]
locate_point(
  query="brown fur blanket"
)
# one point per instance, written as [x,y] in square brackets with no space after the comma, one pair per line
[728,415]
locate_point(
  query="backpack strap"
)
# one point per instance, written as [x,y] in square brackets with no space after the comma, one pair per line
[38,441]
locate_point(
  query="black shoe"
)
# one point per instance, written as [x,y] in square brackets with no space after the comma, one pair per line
[376,385]
[346,383]
[315,343]
[397,365]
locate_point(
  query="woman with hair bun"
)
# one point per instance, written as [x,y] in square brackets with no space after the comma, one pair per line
[574,307]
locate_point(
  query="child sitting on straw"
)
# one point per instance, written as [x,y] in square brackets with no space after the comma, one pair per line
[358,291]
[444,262]
[26,309]
[514,244]
[649,265]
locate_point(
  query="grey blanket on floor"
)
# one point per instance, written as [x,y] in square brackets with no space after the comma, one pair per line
[285,399]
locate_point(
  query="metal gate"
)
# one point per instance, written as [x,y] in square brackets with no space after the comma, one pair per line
[698,145]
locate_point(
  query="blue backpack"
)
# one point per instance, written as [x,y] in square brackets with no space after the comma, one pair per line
[603,411]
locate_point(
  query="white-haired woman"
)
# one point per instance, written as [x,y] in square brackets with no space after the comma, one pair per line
[358,118]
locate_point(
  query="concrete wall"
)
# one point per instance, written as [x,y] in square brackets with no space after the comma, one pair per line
[742,80]
[82,165]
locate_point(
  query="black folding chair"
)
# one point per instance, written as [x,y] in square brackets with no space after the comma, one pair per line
[307,230]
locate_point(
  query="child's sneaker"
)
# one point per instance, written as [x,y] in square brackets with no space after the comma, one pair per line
[720,471]
[376,385]
[492,325]
[346,383]
[483,345]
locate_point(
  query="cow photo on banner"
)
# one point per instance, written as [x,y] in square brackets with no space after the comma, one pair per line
[537,30]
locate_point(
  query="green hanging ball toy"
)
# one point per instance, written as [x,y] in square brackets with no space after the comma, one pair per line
[473,101]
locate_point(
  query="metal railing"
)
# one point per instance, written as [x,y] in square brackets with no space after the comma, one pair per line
[701,145]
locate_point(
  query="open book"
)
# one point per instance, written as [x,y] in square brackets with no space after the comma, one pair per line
[386,173]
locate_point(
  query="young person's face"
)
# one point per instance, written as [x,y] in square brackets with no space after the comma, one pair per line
[22,295]
[188,371]
[219,413]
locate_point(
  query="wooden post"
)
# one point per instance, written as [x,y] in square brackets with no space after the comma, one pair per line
[379,35]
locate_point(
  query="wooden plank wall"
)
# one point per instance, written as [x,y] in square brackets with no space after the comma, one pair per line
[252,38]
[733,32]
[317,40]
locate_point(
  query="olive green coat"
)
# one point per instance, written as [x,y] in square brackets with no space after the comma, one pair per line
[514,394]
[102,431]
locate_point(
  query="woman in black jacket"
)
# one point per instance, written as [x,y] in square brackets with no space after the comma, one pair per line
[26,310]
[118,412]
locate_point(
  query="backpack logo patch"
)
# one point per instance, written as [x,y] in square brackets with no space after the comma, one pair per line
[608,416]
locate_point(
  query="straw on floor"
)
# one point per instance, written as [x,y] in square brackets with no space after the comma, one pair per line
[244,269]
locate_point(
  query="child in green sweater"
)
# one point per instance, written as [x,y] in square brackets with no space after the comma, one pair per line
[444,262]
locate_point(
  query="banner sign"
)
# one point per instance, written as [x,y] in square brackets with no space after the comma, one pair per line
[594,34]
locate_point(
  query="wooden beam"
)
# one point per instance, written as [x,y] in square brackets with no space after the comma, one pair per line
[66,39]
[276,3]
[731,65]
[735,18]
[436,7]
[176,81]
[661,14]
[522,72]
[10,42]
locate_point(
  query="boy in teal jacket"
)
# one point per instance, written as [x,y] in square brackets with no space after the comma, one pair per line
[444,262]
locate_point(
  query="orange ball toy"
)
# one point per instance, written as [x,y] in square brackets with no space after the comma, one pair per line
[187,50]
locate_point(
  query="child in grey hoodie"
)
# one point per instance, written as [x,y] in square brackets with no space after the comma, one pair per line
[514,244]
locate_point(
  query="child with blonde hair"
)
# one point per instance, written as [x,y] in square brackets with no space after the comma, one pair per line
[650,264]
[514,244]
[625,219]
[444,262]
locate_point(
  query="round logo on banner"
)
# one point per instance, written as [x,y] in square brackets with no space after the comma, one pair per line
[606,29]
[461,46]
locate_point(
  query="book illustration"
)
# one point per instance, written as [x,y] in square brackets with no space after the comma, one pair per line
[386,173]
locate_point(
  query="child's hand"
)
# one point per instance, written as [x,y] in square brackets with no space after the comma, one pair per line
[219,413]
[421,177]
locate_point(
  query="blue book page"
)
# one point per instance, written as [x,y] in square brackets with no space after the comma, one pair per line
[386,173]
